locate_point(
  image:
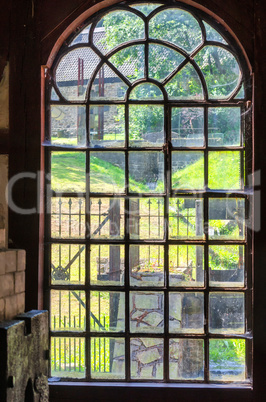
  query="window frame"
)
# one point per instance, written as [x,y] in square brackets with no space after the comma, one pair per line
[250,234]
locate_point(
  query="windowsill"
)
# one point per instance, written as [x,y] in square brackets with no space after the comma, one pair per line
[150,385]
[143,392]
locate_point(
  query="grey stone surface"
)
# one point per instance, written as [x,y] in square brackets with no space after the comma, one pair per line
[147,301]
[23,358]
[148,356]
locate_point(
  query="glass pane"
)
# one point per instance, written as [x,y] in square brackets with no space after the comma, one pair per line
[146,219]
[226,265]
[68,310]
[224,126]
[54,96]
[147,8]
[176,26]
[227,313]
[107,311]
[146,172]
[186,312]
[108,358]
[68,125]
[107,85]
[224,170]
[162,61]
[67,357]
[221,72]
[117,27]
[107,265]
[147,312]
[212,34]
[227,359]
[146,356]
[187,127]
[146,264]
[107,172]
[186,359]
[106,218]
[187,170]
[82,37]
[74,72]
[107,126]
[68,218]
[186,265]
[241,93]
[68,264]
[186,218]
[130,62]
[227,218]
[146,128]
[68,172]
[185,85]
[146,91]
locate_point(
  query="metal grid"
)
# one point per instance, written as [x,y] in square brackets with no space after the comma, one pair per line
[166,241]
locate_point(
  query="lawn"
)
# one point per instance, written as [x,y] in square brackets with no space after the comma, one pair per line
[69,173]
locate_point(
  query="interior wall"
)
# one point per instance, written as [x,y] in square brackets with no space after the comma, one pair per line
[29,30]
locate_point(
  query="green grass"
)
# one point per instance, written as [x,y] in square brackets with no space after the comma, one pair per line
[224,172]
[68,173]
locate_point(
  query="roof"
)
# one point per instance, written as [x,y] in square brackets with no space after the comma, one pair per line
[67,70]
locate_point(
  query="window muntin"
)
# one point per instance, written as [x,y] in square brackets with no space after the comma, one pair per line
[147,257]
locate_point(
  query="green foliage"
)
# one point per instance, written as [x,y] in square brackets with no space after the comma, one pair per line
[146,9]
[121,26]
[176,26]
[224,126]
[227,350]
[220,70]
[145,119]
[162,61]
[224,257]
[185,84]
[146,91]
[219,66]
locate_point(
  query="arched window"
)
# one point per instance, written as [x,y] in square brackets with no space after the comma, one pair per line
[149,149]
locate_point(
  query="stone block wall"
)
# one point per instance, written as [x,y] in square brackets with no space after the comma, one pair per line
[12,262]
[12,283]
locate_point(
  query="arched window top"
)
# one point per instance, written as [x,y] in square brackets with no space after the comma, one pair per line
[146,9]
[149,41]
[146,91]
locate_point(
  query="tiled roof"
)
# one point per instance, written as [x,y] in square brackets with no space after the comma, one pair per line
[67,69]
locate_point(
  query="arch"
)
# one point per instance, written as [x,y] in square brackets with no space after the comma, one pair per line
[143,141]
[106,3]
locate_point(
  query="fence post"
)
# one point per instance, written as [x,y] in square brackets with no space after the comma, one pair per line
[114,268]
[199,232]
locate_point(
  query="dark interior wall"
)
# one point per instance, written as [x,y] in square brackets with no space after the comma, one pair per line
[29,30]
